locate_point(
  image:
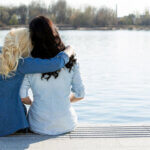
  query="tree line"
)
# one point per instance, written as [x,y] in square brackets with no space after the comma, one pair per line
[61,13]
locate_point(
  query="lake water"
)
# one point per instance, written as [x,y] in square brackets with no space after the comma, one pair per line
[115,67]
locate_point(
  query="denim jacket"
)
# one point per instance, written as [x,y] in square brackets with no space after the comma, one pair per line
[12,115]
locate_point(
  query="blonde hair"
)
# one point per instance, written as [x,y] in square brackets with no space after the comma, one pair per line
[17,44]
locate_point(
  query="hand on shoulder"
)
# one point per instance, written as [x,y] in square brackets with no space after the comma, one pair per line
[69,51]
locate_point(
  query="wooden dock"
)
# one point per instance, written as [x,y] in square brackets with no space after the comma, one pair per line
[85,137]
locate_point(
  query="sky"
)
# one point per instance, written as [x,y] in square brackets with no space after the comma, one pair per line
[124,6]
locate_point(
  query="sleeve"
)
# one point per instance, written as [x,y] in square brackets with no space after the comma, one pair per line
[25,87]
[37,65]
[77,85]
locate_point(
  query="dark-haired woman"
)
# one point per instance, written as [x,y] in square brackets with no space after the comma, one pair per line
[51,111]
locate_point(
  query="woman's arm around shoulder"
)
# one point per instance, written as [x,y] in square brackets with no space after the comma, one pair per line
[37,65]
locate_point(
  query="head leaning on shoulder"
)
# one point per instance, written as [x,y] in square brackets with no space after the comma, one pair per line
[17,44]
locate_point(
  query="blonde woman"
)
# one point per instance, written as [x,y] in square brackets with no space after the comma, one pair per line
[13,67]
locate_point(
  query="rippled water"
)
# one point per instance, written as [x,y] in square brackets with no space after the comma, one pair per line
[115,67]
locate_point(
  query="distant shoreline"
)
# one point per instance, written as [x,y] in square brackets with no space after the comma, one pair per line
[63,27]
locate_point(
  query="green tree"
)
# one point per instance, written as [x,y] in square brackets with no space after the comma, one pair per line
[36,8]
[127,20]
[4,15]
[105,17]
[145,19]
[13,20]
[77,18]
[89,16]
[59,10]
[22,12]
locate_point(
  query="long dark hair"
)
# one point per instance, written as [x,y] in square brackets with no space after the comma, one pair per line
[47,43]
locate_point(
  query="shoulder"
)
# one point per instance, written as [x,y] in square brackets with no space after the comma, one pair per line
[27,59]
[24,60]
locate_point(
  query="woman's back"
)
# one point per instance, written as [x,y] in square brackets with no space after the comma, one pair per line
[51,111]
